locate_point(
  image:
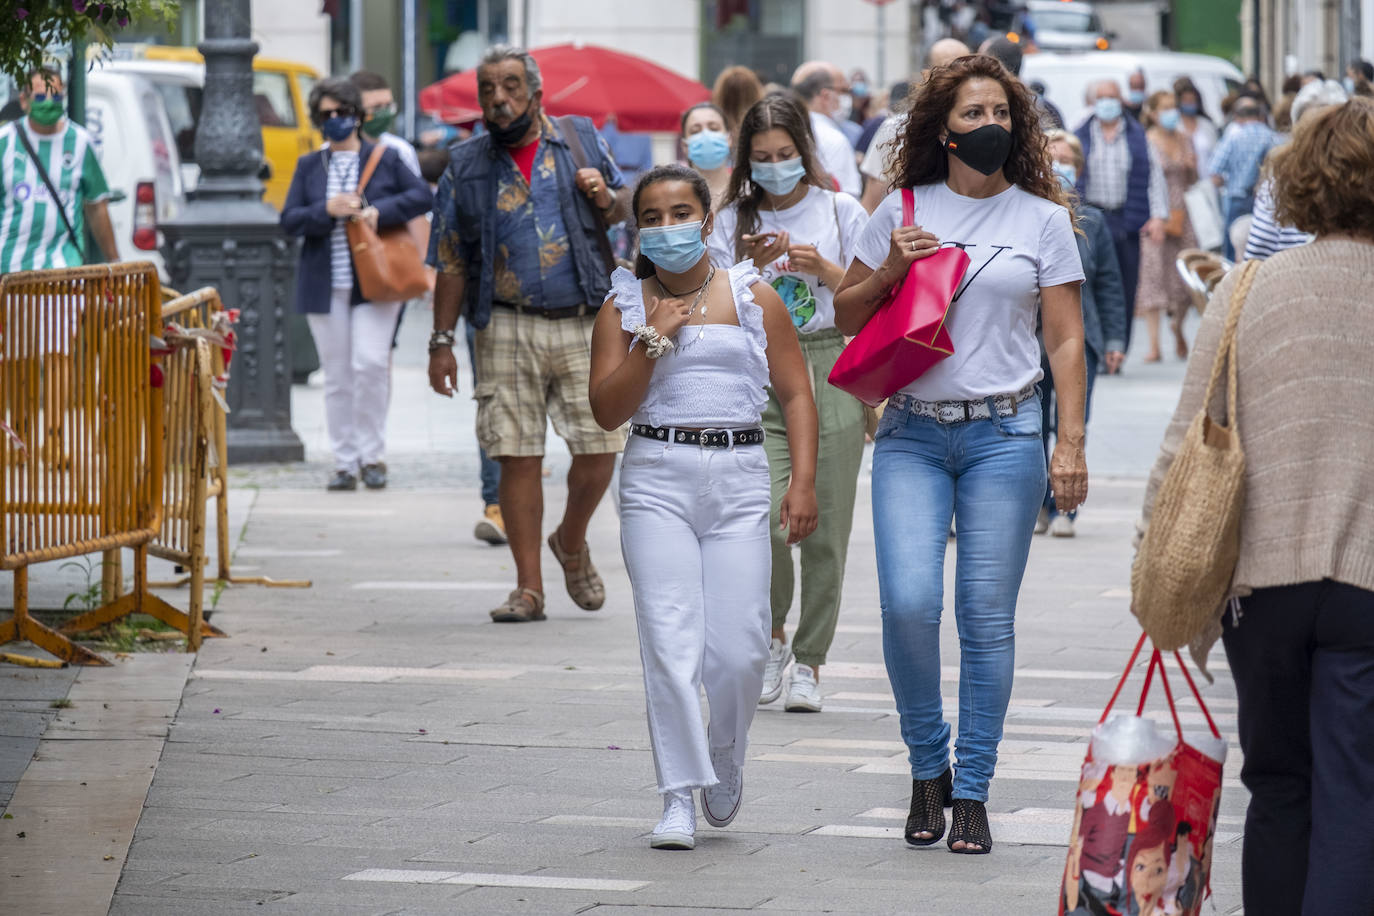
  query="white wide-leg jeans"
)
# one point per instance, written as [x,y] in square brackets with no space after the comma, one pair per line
[694,532]
[354,343]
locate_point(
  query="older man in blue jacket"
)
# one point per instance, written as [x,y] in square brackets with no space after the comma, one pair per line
[519,243]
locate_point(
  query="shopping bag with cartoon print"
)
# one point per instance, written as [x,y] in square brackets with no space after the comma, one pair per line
[1146,815]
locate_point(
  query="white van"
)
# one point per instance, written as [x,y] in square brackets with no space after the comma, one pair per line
[128,123]
[1067,77]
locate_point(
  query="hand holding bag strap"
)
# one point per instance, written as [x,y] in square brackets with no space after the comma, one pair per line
[579,157]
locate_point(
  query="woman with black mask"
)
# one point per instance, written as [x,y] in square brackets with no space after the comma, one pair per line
[963,441]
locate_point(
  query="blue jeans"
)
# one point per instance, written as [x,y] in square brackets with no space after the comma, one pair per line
[491,470]
[1049,414]
[990,476]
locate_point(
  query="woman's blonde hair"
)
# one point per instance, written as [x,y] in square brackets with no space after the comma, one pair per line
[1324,177]
[1063,136]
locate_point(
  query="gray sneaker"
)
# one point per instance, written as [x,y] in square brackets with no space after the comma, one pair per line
[1061,527]
[678,828]
[720,803]
[1042,521]
[779,657]
[803,694]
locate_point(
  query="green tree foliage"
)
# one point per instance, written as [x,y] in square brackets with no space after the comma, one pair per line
[32,30]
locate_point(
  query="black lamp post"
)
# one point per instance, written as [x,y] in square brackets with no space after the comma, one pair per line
[228,238]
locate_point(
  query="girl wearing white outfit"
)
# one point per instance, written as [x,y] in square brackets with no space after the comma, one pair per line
[686,351]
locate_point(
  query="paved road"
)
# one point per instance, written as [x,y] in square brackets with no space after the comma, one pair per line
[375,745]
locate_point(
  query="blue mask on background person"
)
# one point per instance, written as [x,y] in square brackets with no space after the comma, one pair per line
[337,130]
[1067,171]
[708,149]
[778,178]
[1188,108]
[1169,118]
[1135,96]
[1107,109]
[676,248]
[1349,84]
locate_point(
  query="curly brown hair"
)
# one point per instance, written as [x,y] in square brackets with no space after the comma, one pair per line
[918,158]
[1324,177]
[784,112]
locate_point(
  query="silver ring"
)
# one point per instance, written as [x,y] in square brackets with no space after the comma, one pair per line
[913,246]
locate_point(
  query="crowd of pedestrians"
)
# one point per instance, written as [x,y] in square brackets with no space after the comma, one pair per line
[776,238]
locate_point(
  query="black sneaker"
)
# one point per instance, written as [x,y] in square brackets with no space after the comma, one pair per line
[374,476]
[342,480]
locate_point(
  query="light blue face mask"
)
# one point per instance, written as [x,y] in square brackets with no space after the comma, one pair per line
[708,149]
[1067,171]
[676,248]
[1108,109]
[777,178]
[1169,118]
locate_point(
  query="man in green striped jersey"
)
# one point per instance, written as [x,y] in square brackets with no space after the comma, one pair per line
[36,231]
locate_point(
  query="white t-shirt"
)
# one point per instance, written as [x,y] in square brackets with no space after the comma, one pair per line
[1016,243]
[832,222]
[880,147]
[836,154]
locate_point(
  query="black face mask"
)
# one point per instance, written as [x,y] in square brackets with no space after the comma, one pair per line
[984,150]
[514,132]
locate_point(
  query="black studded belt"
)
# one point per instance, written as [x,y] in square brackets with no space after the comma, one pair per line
[705,438]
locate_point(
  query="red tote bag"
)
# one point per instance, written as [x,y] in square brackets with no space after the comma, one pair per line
[907,335]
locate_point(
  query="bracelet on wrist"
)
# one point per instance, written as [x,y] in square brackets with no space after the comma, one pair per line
[440,339]
[655,344]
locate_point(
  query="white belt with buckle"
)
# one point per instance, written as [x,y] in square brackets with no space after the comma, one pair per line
[1007,405]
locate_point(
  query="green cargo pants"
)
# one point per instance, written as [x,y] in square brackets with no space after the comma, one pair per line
[837,476]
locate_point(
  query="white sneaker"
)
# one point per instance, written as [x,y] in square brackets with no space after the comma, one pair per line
[779,657]
[1042,521]
[803,693]
[1061,527]
[678,828]
[720,803]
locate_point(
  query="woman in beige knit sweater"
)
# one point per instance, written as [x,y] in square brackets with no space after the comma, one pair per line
[1300,638]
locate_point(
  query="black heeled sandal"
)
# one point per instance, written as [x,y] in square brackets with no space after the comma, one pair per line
[970,826]
[929,799]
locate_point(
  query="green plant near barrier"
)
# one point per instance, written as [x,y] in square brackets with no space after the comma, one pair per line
[30,30]
[88,598]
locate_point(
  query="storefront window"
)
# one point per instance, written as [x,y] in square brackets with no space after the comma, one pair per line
[768,34]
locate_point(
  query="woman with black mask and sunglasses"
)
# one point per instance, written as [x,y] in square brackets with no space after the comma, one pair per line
[353,336]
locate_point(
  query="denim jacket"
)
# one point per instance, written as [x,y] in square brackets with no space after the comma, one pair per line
[464,241]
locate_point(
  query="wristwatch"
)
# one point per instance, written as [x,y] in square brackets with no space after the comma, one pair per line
[440,339]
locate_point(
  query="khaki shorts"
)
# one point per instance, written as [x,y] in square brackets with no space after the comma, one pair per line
[531,370]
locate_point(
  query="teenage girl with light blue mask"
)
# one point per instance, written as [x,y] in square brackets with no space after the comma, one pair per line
[782,214]
[706,141]
[684,351]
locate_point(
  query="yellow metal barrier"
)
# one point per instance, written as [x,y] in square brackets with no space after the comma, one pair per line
[83,469]
[196,446]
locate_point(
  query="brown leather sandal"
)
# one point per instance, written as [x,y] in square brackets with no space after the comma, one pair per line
[584,583]
[521,606]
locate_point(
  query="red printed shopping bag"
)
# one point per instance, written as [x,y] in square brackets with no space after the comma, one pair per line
[1146,815]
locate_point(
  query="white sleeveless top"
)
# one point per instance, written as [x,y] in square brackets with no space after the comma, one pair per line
[715,379]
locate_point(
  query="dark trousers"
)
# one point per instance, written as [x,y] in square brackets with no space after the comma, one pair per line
[1127,245]
[1049,412]
[1303,661]
[490,469]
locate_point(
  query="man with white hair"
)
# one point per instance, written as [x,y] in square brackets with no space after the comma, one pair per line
[820,85]
[1123,177]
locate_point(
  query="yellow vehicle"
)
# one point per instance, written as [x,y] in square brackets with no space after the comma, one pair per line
[281,90]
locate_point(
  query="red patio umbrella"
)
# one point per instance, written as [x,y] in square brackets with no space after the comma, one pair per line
[584,80]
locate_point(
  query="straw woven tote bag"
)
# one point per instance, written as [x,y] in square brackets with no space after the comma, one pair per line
[1184,567]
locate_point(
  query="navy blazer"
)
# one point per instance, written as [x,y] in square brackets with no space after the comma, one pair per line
[398,194]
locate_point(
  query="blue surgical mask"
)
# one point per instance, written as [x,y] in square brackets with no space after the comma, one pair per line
[337,130]
[1135,96]
[1108,109]
[1067,171]
[676,248]
[1169,118]
[778,178]
[1188,108]
[1349,84]
[708,149]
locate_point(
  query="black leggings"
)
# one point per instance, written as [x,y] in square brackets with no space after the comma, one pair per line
[1303,661]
